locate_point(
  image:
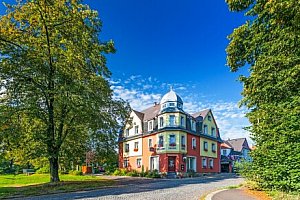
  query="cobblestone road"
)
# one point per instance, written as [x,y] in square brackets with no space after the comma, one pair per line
[144,189]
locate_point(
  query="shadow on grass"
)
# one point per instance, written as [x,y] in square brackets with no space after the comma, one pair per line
[50,188]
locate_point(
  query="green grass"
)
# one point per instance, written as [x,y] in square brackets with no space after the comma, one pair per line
[36,184]
[276,195]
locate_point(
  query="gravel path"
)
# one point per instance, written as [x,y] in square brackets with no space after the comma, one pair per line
[144,189]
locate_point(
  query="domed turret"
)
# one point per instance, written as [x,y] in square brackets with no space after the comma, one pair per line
[171,101]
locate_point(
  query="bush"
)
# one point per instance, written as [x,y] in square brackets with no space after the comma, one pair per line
[120,172]
[43,170]
[75,172]
[133,173]
[152,174]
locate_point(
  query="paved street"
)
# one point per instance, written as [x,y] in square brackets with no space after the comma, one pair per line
[136,188]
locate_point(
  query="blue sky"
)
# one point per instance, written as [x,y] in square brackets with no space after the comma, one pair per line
[174,42]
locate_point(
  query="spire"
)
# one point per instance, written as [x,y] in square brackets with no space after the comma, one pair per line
[171,88]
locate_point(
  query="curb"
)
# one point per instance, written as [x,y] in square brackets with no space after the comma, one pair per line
[210,195]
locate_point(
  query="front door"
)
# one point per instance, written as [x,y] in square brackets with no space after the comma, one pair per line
[171,163]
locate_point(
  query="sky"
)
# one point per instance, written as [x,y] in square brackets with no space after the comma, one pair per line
[178,43]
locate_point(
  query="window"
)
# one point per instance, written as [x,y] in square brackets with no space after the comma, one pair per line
[165,105]
[125,164]
[213,131]
[191,164]
[209,118]
[126,147]
[172,120]
[136,146]
[205,146]
[171,104]
[183,142]
[224,152]
[172,141]
[136,129]
[138,162]
[150,143]
[204,163]
[213,147]
[161,122]
[127,132]
[205,130]
[180,105]
[150,125]
[161,141]
[211,163]
[193,125]
[194,143]
[182,121]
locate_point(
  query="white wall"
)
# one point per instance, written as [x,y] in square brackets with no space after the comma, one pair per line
[131,148]
[135,121]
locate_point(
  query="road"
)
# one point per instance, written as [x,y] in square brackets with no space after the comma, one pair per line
[130,188]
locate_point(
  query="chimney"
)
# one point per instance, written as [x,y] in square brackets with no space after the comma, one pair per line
[155,103]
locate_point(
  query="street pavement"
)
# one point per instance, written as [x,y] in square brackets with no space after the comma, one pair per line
[130,188]
[236,194]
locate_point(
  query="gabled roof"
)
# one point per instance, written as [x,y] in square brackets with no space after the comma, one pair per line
[139,114]
[226,146]
[202,113]
[238,144]
[151,112]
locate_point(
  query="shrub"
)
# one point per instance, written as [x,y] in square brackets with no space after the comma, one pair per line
[76,173]
[133,173]
[152,174]
[43,170]
[117,172]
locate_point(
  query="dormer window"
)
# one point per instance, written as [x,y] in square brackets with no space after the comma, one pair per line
[150,125]
[193,125]
[179,105]
[172,104]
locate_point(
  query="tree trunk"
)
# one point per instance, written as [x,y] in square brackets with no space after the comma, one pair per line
[54,169]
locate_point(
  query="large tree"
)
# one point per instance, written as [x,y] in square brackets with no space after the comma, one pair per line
[54,72]
[269,44]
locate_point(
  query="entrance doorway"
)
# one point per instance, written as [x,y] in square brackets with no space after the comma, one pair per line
[171,163]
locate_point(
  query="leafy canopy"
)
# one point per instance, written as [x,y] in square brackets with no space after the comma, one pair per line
[269,44]
[53,70]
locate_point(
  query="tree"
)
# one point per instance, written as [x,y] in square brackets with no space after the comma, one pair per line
[269,44]
[54,72]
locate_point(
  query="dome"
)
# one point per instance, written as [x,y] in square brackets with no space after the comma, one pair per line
[171,96]
[171,102]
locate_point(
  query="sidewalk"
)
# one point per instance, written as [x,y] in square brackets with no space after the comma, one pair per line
[236,194]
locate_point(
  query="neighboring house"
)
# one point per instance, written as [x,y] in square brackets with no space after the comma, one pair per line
[234,150]
[167,139]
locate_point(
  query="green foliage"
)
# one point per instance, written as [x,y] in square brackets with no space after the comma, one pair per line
[120,172]
[133,173]
[75,172]
[43,170]
[153,174]
[269,44]
[56,81]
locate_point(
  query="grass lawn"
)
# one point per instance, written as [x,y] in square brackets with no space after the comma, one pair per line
[15,185]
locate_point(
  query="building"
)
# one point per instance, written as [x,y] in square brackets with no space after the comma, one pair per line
[234,150]
[166,138]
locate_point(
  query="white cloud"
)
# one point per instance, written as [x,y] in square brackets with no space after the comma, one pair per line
[143,92]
